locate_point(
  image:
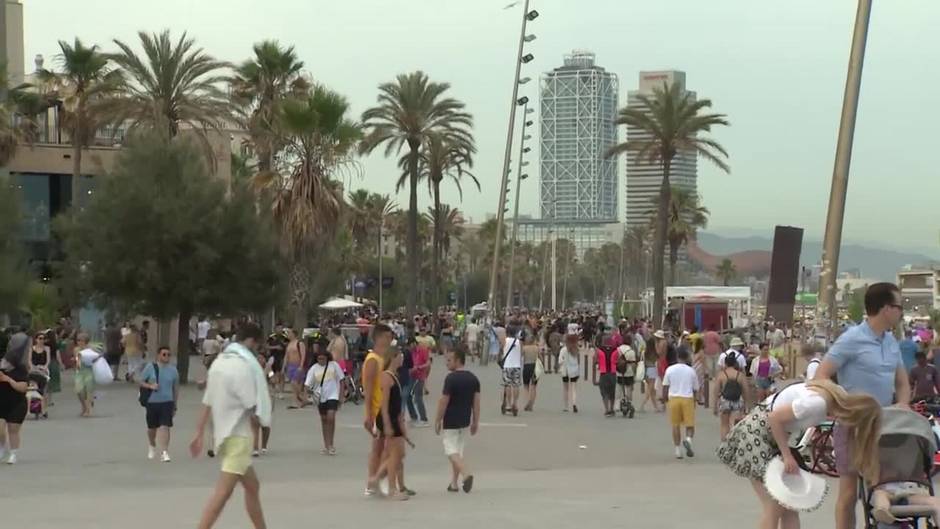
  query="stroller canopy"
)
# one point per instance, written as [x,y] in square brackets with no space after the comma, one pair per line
[906,447]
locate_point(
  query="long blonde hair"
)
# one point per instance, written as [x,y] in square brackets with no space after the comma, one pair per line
[863,414]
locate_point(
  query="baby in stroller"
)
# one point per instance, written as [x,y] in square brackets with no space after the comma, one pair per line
[904,492]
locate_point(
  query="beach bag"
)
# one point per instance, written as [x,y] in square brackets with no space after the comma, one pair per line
[539,369]
[102,371]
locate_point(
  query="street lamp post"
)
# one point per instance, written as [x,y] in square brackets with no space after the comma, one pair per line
[500,213]
[515,216]
[381,277]
[826,306]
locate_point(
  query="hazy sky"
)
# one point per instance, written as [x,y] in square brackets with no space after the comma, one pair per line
[776,68]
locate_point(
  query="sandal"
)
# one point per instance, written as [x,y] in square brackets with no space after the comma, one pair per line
[332,451]
[451,488]
[398,496]
[468,484]
[324,451]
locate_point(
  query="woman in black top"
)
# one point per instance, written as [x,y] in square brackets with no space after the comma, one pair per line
[390,423]
[13,376]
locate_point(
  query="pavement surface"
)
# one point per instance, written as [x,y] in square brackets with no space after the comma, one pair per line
[530,471]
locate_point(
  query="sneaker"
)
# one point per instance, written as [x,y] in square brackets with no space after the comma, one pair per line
[383,488]
[255,453]
[264,451]
[165,457]
[423,424]
[574,408]
[11,460]
[151,452]
[687,443]
[679,453]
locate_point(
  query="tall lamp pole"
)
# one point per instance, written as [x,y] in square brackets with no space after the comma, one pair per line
[504,176]
[826,307]
[381,255]
[515,216]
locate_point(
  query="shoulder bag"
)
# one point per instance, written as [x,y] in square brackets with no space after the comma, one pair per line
[318,391]
[143,396]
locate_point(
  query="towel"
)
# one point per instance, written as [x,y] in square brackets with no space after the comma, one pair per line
[263,404]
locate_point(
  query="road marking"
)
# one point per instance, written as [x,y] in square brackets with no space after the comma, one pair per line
[483,424]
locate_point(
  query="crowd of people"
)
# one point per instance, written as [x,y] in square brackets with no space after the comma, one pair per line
[748,377]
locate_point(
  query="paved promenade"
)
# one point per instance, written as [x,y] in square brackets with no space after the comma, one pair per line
[530,472]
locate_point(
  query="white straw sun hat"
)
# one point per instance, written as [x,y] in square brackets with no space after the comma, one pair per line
[802,491]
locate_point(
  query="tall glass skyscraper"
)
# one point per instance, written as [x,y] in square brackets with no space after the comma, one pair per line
[578,113]
[644,178]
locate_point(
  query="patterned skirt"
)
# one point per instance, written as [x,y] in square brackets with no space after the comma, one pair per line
[749,446]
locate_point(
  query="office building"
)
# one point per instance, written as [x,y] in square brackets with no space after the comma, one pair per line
[11,20]
[644,178]
[578,113]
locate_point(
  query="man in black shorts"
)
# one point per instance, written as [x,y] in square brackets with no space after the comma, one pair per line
[277,348]
[161,380]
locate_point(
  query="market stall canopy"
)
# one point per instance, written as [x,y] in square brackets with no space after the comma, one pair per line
[709,292]
[340,304]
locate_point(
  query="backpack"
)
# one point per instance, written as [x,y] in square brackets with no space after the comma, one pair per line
[144,395]
[609,357]
[622,364]
[732,390]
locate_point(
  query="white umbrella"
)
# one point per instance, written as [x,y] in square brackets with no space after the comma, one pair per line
[340,304]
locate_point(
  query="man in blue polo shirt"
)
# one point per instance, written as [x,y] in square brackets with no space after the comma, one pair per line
[866,359]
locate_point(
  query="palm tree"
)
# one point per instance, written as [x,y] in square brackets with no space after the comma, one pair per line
[726,272]
[449,154]
[307,203]
[672,121]
[636,244]
[359,221]
[172,86]
[258,85]
[446,224]
[369,216]
[19,107]
[686,216]
[88,85]
[28,105]
[409,112]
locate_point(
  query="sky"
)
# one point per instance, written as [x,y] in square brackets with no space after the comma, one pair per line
[777,69]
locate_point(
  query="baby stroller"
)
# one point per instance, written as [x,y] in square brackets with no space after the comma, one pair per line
[36,392]
[626,405]
[906,452]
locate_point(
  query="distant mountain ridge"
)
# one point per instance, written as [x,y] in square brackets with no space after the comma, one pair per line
[873,262]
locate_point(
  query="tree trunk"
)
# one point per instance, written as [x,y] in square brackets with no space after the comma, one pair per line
[76,167]
[659,247]
[183,347]
[413,249]
[436,286]
[673,259]
[299,286]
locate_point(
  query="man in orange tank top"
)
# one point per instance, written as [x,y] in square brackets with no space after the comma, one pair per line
[374,363]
